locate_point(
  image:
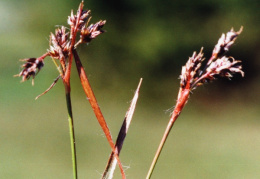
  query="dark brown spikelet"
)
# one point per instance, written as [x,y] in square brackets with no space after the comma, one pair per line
[79,19]
[59,47]
[62,39]
[30,68]
[92,31]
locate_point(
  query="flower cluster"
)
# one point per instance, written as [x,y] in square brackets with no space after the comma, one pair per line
[192,68]
[224,67]
[62,42]
[31,67]
[91,32]
[79,19]
[225,42]
[193,74]
[59,46]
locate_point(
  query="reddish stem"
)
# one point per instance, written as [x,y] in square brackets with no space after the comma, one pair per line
[43,56]
[93,102]
[73,33]
[183,97]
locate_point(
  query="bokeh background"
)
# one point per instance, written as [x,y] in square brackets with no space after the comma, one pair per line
[216,136]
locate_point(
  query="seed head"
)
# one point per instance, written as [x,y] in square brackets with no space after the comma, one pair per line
[224,67]
[79,19]
[224,43]
[30,68]
[59,48]
[193,74]
[91,32]
[192,68]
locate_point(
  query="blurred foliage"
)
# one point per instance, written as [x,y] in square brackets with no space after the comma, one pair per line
[150,39]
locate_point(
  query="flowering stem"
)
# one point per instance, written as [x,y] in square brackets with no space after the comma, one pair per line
[182,100]
[72,134]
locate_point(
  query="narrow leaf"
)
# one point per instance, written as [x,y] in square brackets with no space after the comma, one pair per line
[52,85]
[93,102]
[111,165]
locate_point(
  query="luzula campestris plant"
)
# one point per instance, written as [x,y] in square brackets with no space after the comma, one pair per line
[62,50]
[193,74]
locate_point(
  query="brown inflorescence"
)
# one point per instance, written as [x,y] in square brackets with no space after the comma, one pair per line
[60,42]
[82,15]
[31,67]
[91,32]
[191,70]
[194,74]
[224,43]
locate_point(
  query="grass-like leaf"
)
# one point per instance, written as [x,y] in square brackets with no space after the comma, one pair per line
[93,102]
[111,165]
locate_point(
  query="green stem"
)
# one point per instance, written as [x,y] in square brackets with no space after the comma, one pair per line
[72,136]
[159,150]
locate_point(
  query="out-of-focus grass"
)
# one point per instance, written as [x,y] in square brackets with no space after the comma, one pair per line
[201,145]
[221,143]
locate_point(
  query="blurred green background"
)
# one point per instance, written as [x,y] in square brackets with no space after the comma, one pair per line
[216,136]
